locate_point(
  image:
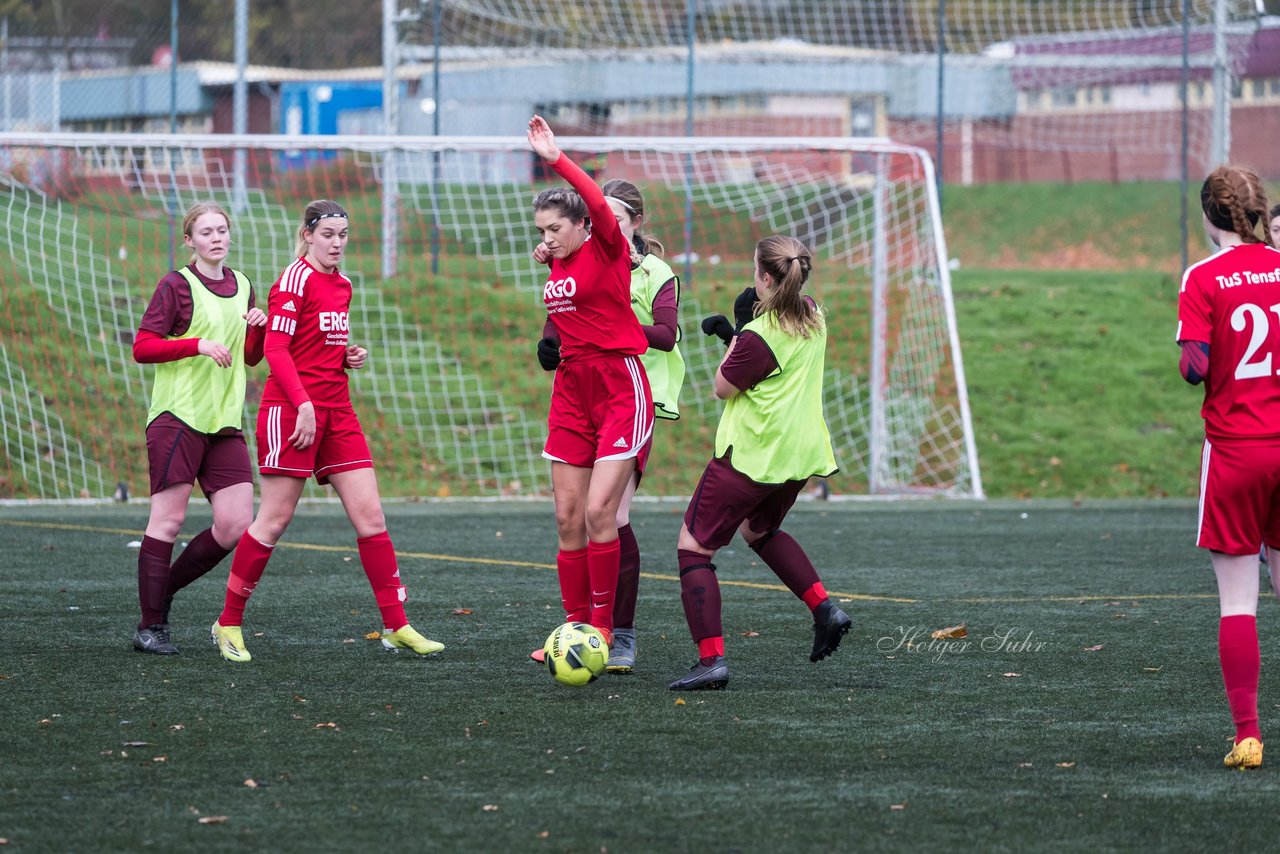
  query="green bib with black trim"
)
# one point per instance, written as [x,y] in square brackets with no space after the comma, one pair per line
[665,369]
[777,429]
[206,397]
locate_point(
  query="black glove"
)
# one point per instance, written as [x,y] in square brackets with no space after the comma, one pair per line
[718,324]
[549,354]
[744,308]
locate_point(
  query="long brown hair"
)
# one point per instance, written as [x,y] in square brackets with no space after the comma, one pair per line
[788,262]
[316,211]
[1233,200]
[198,210]
[631,198]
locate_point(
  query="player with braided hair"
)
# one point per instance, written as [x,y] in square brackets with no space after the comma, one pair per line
[772,438]
[1226,312]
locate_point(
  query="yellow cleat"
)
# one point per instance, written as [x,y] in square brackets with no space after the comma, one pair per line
[1244,755]
[230,643]
[408,638]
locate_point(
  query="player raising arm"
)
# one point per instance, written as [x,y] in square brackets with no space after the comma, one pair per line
[600,421]
[772,438]
[655,298]
[200,330]
[1225,329]
[307,426]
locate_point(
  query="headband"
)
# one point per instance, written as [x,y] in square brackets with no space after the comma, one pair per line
[621,202]
[311,223]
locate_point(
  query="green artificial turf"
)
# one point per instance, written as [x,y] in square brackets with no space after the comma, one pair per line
[1085,713]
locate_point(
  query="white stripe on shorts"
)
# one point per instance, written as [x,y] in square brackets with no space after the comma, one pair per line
[1204,481]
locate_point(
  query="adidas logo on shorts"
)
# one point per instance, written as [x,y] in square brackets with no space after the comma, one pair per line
[621,443]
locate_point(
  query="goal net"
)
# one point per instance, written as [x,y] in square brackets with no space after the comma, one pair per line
[448,298]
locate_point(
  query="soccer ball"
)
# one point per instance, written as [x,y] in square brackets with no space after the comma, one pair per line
[576,654]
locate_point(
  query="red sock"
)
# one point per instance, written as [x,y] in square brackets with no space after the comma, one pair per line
[624,602]
[709,649]
[153,579]
[1241,665]
[575,585]
[700,596]
[815,596]
[378,557]
[246,571]
[602,569]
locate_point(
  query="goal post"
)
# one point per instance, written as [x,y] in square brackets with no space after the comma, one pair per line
[453,399]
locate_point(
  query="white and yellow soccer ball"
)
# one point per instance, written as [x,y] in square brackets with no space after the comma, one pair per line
[576,654]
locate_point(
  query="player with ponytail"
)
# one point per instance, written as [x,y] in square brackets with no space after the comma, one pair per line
[772,438]
[1229,333]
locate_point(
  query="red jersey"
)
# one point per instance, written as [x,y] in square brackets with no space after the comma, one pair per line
[307,335]
[588,294]
[1231,301]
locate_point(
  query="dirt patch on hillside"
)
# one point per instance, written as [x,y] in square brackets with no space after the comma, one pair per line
[1081,256]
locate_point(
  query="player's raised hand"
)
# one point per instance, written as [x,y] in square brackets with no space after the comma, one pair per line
[221,355]
[744,307]
[542,140]
[304,428]
[356,357]
[255,317]
[719,326]
[542,254]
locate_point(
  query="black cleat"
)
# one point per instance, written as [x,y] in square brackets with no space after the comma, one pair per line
[704,677]
[155,640]
[830,624]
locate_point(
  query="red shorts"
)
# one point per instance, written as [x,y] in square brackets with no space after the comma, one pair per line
[601,409]
[177,454]
[725,498]
[1239,496]
[339,445]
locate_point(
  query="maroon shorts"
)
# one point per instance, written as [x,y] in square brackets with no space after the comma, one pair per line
[177,454]
[601,409]
[725,498]
[339,445]
[1239,496]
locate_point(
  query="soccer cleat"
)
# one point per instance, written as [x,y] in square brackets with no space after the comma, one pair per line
[155,640]
[539,655]
[230,641]
[1244,755]
[830,624]
[622,655]
[704,677]
[406,637]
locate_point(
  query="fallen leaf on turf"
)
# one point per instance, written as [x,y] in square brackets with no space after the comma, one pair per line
[1153,669]
[251,783]
[951,632]
[751,634]
[543,834]
[135,744]
[299,698]
[176,727]
[329,725]
[462,612]
[259,634]
[159,758]
[373,636]
[44,721]
[897,807]
[1010,674]
[1092,648]
[348,640]
[1111,604]
[213,819]
[490,808]
[1065,764]
[1025,765]
[679,701]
